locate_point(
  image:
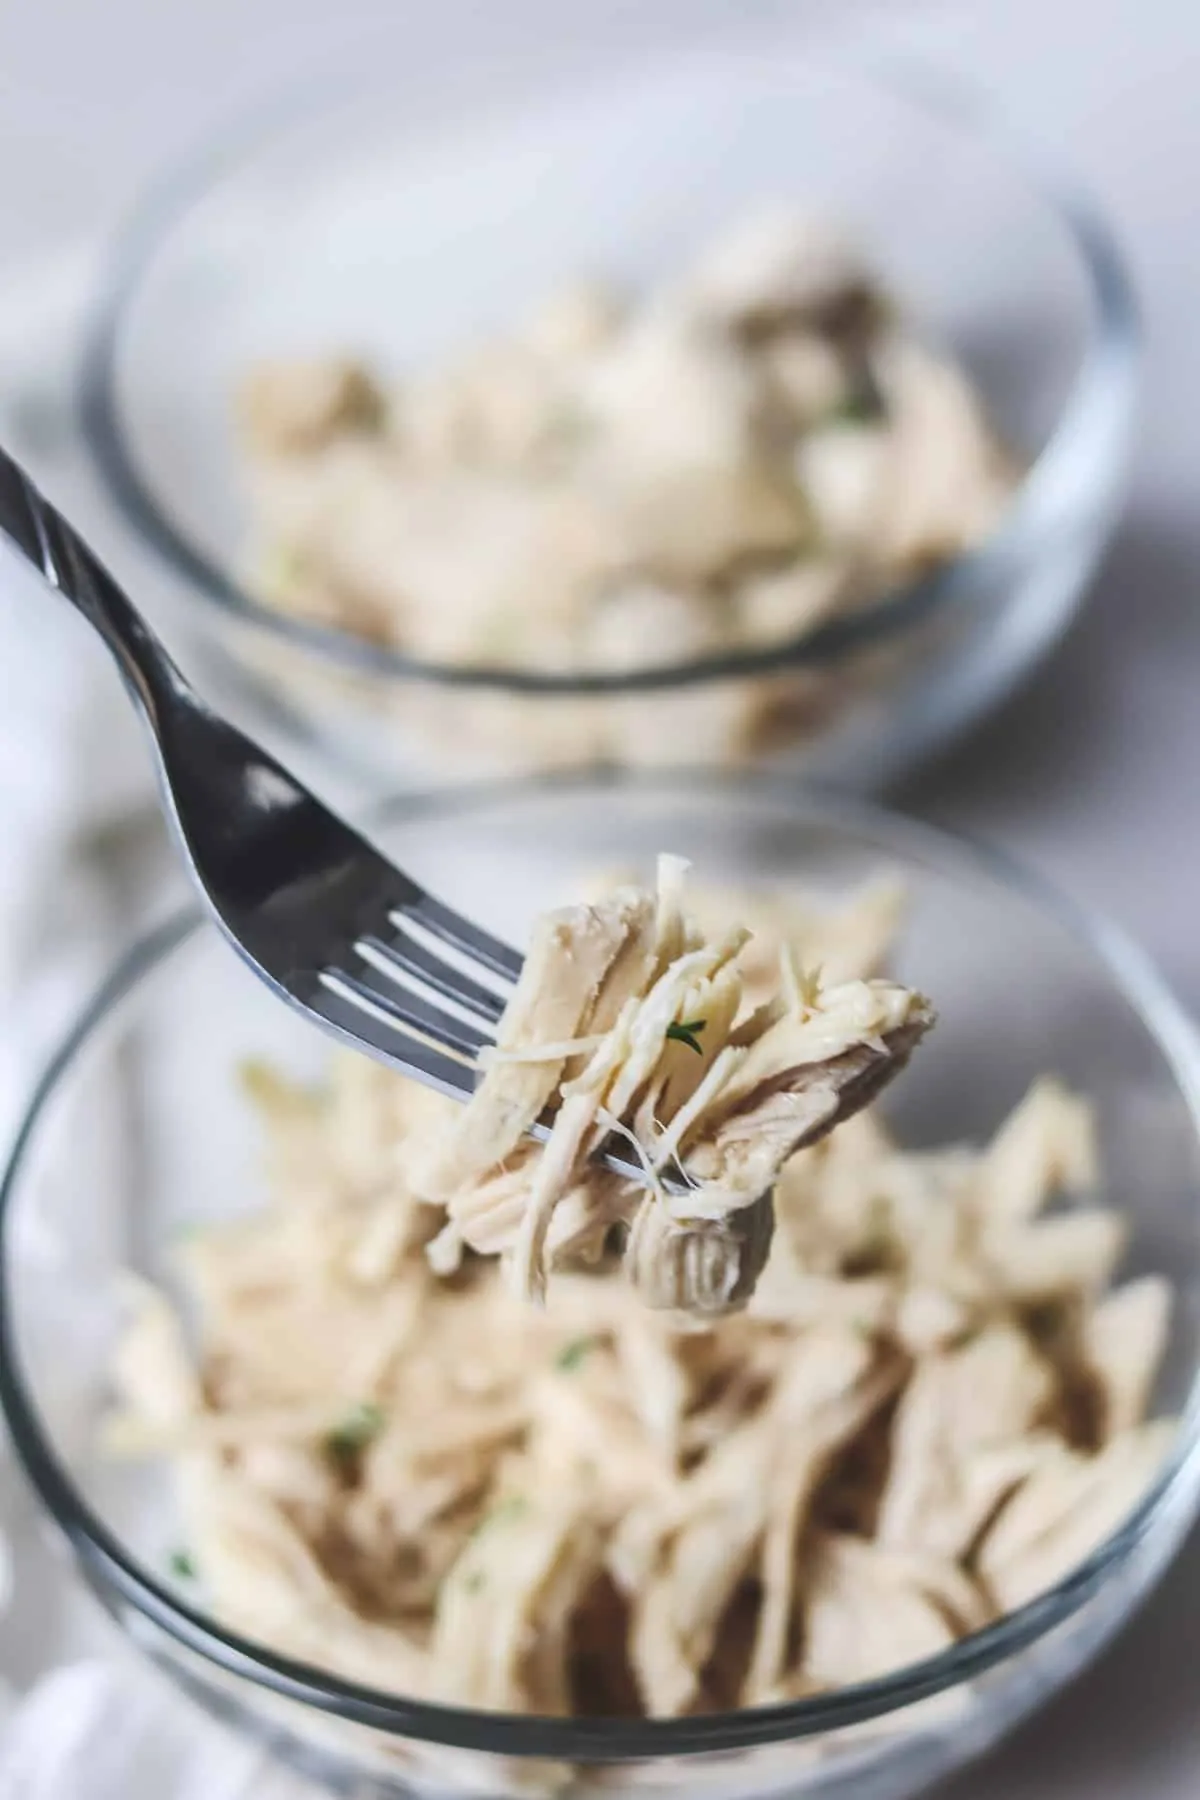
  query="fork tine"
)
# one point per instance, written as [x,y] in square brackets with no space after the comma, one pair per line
[409,957]
[443,922]
[352,1007]
[617,1161]
[340,1008]
[383,992]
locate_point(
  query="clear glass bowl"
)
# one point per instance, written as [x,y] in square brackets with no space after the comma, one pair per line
[137,1129]
[349,219]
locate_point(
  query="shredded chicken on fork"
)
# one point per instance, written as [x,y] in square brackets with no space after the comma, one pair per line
[629,1020]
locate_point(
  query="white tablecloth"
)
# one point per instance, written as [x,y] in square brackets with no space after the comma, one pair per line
[1090,772]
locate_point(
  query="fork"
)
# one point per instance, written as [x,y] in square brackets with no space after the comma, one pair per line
[328,923]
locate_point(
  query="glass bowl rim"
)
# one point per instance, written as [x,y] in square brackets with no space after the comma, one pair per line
[103,1558]
[1099,402]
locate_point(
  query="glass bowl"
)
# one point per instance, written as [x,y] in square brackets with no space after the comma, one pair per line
[136,1130]
[351,220]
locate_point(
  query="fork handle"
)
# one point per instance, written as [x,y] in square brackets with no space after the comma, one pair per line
[64,561]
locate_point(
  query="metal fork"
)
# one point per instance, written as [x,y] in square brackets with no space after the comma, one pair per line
[332,927]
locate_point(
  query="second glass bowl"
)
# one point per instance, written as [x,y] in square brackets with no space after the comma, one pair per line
[137,1132]
[333,222]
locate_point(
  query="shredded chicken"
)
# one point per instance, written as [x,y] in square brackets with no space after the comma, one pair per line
[732,460]
[393,1467]
[627,1020]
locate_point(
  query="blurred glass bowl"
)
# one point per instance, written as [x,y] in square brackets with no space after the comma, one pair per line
[339,221]
[137,1130]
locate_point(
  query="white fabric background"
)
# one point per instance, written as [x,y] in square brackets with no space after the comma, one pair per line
[1091,773]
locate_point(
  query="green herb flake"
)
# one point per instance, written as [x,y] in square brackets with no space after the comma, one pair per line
[182,1565]
[859,406]
[258,1081]
[475,1581]
[573,1354]
[505,1512]
[355,1432]
[688,1033]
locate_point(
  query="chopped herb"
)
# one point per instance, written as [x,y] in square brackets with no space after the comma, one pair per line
[258,1080]
[355,1432]
[505,1511]
[572,1354]
[687,1034]
[474,1581]
[858,406]
[271,1093]
[181,1564]
[283,569]
[513,1506]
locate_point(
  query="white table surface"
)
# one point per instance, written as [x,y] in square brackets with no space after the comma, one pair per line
[1091,773]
